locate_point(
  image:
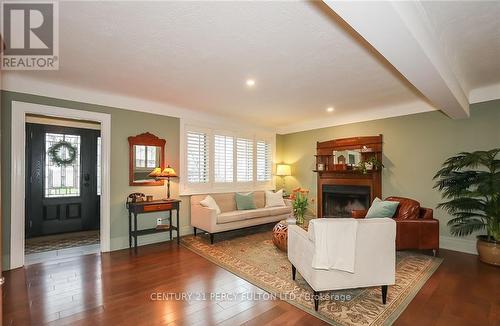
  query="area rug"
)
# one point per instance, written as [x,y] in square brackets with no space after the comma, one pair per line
[253,257]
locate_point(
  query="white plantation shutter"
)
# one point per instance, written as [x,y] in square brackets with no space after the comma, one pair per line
[197,157]
[264,161]
[244,160]
[223,158]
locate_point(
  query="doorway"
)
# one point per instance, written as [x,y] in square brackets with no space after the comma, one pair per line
[18,166]
[62,188]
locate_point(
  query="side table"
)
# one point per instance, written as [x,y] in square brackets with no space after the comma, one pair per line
[280,233]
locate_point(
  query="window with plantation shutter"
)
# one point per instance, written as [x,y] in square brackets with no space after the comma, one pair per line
[223,158]
[197,157]
[264,161]
[244,160]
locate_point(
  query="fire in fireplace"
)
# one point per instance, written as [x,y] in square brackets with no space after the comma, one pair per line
[340,200]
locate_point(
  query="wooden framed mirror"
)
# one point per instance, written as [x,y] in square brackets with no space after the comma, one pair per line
[146,153]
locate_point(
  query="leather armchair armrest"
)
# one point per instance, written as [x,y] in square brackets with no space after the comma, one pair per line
[359,213]
[426,213]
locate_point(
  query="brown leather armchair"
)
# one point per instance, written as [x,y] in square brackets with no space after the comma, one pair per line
[415,226]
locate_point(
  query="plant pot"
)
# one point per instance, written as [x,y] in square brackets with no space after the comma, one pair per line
[489,250]
[299,218]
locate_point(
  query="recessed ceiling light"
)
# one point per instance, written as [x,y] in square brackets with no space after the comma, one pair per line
[330,109]
[250,82]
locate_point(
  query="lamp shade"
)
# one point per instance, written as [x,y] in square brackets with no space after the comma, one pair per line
[155,173]
[168,172]
[283,170]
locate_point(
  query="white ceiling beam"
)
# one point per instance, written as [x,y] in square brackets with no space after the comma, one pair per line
[401,32]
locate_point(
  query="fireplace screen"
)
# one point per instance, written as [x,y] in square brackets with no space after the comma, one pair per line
[339,201]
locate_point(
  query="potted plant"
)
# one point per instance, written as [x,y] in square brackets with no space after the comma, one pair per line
[370,164]
[300,202]
[470,184]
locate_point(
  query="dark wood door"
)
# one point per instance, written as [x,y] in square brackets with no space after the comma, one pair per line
[61,198]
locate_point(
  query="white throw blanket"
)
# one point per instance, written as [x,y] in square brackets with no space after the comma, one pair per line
[335,243]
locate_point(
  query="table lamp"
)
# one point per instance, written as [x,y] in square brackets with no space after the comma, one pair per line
[167,173]
[283,170]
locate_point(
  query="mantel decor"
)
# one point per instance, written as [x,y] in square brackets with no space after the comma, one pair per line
[354,161]
[62,153]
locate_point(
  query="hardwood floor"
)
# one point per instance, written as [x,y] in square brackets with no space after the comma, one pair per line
[117,288]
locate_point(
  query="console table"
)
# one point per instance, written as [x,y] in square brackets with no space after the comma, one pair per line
[134,209]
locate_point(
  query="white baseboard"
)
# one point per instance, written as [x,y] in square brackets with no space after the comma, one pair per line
[457,244]
[185,230]
[120,243]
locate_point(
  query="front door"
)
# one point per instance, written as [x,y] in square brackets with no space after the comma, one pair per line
[62,193]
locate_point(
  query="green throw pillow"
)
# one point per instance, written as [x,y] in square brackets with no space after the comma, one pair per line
[380,208]
[244,201]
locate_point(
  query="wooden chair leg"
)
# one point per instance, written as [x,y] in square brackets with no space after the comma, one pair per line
[384,294]
[211,238]
[194,229]
[294,271]
[316,300]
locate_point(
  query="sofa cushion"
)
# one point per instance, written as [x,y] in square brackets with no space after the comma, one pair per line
[226,201]
[280,210]
[234,216]
[242,215]
[274,199]
[244,201]
[259,198]
[407,209]
[210,203]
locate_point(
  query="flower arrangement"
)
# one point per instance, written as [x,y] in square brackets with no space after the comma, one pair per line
[300,202]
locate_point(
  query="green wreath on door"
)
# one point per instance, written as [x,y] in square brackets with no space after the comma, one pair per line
[56,151]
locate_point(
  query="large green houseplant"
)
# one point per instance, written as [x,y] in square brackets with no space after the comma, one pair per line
[470,185]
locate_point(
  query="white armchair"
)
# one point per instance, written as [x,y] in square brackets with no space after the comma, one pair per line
[375,258]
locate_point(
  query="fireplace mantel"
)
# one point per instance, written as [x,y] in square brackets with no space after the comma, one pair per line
[334,174]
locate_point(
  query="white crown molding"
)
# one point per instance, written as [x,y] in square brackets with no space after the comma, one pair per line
[486,93]
[16,82]
[456,244]
[372,114]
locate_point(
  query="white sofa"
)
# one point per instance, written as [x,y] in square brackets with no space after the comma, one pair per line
[230,218]
[375,258]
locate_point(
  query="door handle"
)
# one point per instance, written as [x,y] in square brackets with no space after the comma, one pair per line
[86,178]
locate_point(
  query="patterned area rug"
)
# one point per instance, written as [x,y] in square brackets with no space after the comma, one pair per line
[251,255]
[61,241]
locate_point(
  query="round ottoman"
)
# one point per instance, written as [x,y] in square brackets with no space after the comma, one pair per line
[280,235]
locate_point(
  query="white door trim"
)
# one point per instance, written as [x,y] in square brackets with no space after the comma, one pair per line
[18,145]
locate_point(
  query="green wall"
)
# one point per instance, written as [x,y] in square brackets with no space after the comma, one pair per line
[414,148]
[124,123]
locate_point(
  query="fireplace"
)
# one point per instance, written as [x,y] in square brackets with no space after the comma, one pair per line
[340,200]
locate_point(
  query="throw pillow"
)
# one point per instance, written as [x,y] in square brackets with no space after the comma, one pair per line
[380,208]
[209,202]
[244,201]
[274,199]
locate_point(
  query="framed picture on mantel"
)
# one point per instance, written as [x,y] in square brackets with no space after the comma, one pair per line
[348,157]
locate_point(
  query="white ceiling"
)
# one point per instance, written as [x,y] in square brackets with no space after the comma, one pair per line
[197,55]
[469,32]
